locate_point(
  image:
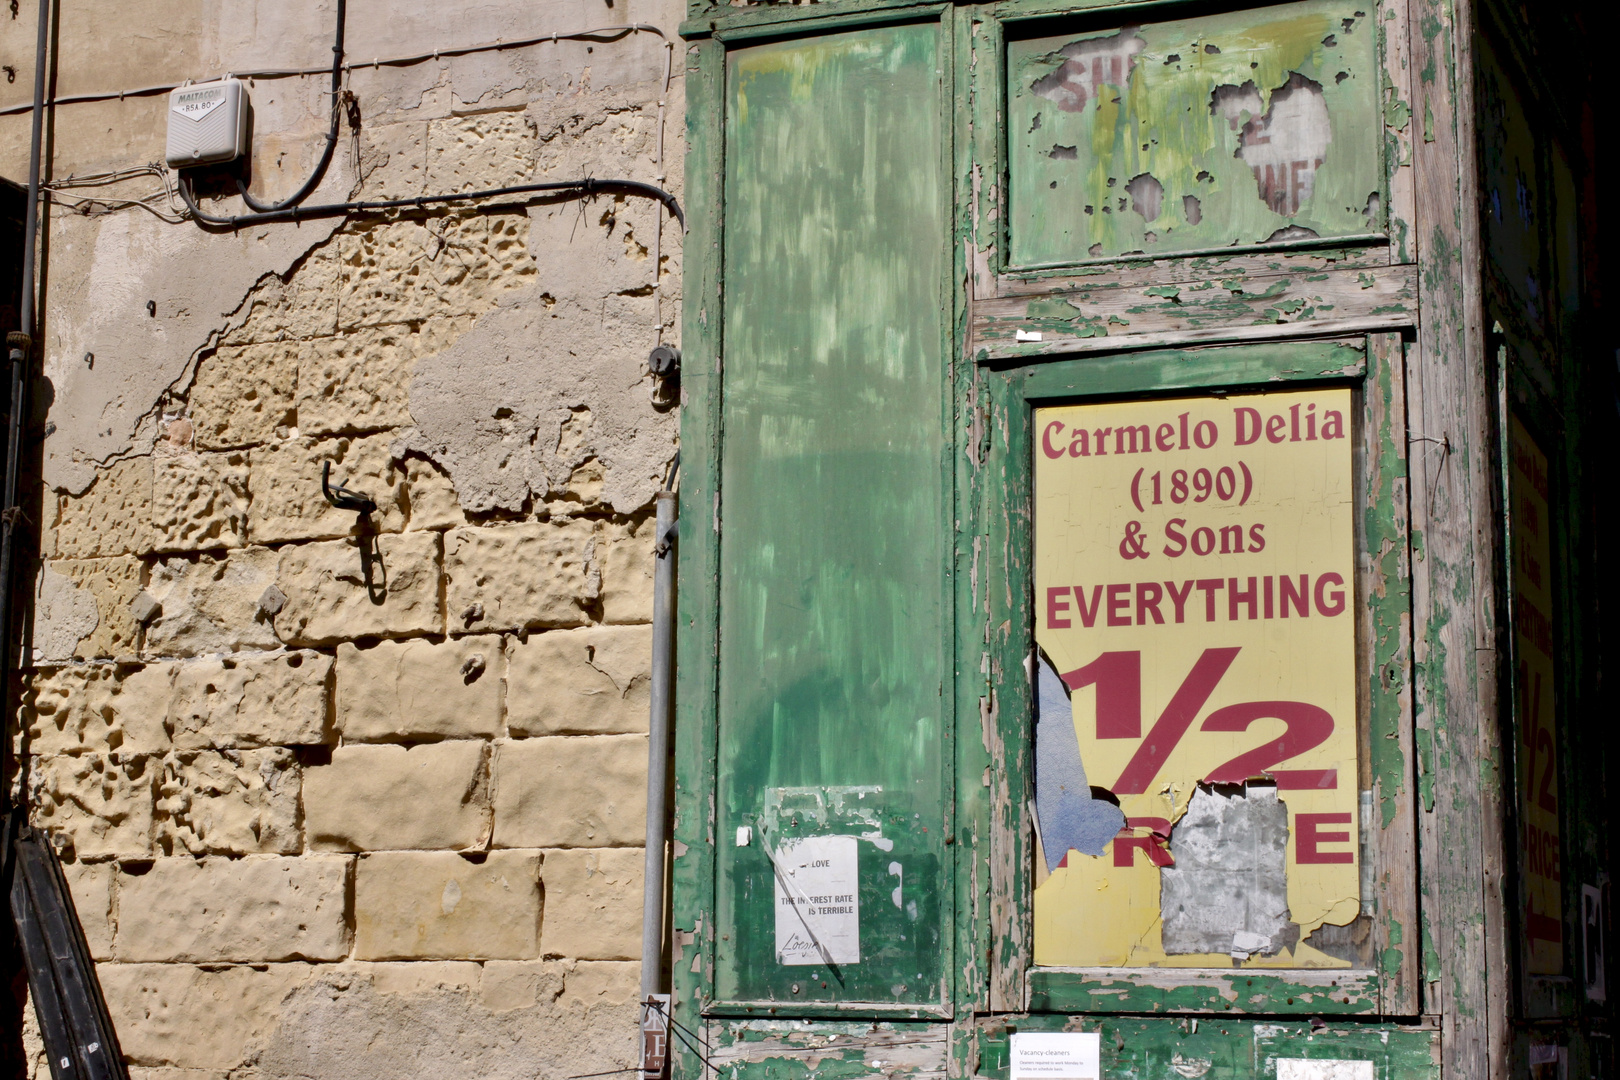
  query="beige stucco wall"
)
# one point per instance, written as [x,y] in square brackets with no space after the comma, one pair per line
[347,807]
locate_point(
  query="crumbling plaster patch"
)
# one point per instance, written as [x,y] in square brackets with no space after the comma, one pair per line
[64,615]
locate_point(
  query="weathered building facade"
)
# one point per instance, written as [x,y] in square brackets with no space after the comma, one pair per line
[344,795]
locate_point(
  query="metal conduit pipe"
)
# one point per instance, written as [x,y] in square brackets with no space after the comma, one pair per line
[19,347]
[658,751]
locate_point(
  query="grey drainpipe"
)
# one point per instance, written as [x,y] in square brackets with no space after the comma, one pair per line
[654,1026]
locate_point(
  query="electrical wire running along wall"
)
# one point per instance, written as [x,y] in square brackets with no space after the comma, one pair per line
[310,771]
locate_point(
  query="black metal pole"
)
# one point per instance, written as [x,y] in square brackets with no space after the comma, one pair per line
[19,346]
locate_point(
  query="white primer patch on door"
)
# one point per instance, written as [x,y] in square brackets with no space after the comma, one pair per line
[1056,1055]
[818,913]
[1324,1069]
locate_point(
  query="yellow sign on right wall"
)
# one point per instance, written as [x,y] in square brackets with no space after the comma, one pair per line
[1535,704]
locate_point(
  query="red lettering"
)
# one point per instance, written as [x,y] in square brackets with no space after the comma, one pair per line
[1323,607]
[1234,598]
[1173,531]
[1293,423]
[1274,427]
[1308,839]
[1148,595]
[1079,446]
[1127,843]
[1179,598]
[1332,424]
[1204,434]
[1300,598]
[1165,437]
[1102,441]
[1267,605]
[1246,416]
[1183,419]
[1088,615]
[1046,439]
[1257,542]
[1118,678]
[1209,586]
[1203,540]
[1057,602]
[1173,723]
[1119,605]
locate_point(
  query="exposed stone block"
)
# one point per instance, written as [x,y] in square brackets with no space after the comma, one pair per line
[523,576]
[361,381]
[211,603]
[97,707]
[244,395]
[256,909]
[230,802]
[247,700]
[431,497]
[288,503]
[438,905]
[295,307]
[112,518]
[114,583]
[593,680]
[413,978]
[184,1016]
[199,501]
[339,590]
[420,689]
[393,159]
[627,562]
[576,984]
[468,153]
[520,984]
[376,798]
[92,887]
[571,791]
[412,270]
[593,903]
[101,804]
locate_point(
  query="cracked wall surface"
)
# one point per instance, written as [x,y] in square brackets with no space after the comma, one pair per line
[339,799]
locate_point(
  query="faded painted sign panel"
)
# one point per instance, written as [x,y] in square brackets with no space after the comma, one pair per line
[832,516]
[1236,129]
[1535,705]
[1196,749]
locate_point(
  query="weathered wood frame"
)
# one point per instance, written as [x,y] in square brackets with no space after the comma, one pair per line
[1375,368]
[1451,409]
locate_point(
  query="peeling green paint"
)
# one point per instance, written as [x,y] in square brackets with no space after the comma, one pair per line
[1135,142]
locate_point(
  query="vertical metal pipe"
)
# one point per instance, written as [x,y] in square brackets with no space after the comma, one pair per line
[19,350]
[663,670]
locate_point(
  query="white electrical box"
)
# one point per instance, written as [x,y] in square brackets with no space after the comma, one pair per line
[208,123]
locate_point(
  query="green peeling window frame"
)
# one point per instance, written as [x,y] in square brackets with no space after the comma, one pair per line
[1191,134]
[1381,942]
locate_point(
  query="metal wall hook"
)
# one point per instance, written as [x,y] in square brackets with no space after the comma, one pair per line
[341,497]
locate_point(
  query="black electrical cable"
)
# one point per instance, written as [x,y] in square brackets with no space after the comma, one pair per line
[331,135]
[320,210]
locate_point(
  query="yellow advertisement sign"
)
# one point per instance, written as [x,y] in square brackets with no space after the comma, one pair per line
[1535,704]
[1196,749]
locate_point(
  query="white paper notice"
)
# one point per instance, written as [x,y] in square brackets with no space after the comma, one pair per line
[1324,1069]
[818,914]
[1067,1055]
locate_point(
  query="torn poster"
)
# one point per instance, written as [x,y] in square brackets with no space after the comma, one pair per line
[818,914]
[1194,590]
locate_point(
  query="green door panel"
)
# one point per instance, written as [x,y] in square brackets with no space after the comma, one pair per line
[832,712]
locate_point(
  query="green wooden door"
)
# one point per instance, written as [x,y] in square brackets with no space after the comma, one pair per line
[833,597]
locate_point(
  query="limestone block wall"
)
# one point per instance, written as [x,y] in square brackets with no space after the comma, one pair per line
[341,797]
